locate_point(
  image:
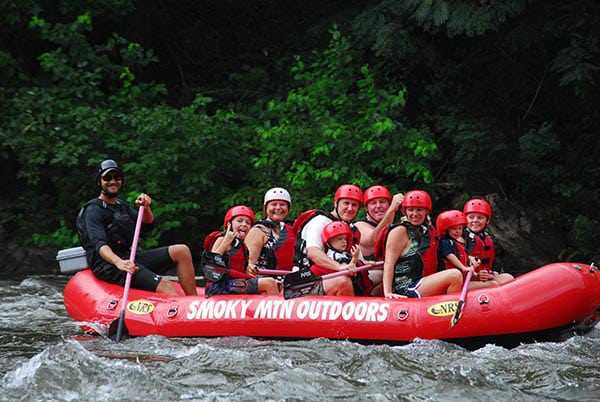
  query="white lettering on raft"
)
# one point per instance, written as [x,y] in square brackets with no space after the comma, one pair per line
[274,309]
[324,310]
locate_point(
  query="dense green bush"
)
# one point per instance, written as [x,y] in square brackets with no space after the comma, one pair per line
[461,97]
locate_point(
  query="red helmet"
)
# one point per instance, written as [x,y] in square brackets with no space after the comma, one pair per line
[374,192]
[478,205]
[447,219]
[335,229]
[237,211]
[417,199]
[349,191]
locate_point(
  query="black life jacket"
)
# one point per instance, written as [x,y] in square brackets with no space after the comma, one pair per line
[120,225]
[277,253]
[409,268]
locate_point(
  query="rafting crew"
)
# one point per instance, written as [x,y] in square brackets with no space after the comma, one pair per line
[231,274]
[106,225]
[479,243]
[408,248]
[381,209]
[321,242]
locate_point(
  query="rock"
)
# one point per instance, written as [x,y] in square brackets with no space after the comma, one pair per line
[18,260]
[522,243]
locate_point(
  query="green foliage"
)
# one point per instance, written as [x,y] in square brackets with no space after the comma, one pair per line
[462,96]
[63,237]
[578,64]
[88,107]
[456,17]
[337,126]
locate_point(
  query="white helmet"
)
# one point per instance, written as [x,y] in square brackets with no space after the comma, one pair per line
[277,193]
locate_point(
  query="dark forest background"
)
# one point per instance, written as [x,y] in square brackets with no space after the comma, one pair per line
[210,103]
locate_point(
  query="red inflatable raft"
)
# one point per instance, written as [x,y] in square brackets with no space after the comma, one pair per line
[555,297]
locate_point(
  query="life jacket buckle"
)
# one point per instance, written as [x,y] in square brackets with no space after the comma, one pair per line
[483,299]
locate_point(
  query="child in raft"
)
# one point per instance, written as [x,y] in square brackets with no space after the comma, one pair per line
[230,244]
[337,238]
[451,248]
[479,243]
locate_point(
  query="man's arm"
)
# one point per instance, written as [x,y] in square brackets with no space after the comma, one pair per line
[314,245]
[109,256]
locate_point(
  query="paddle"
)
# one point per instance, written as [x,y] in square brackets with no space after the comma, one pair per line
[136,237]
[461,301]
[273,272]
[215,266]
[302,283]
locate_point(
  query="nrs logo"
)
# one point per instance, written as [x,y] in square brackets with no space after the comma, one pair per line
[443,309]
[140,307]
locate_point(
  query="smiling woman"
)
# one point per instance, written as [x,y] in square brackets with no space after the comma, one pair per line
[407,248]
[271,241]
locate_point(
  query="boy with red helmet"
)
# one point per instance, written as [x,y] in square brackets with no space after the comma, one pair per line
[479,243]
[337,240]
[451,249]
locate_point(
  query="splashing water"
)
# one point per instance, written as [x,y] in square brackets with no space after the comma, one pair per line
[46,358]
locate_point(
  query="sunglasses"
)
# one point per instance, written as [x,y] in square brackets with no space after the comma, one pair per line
[110,177]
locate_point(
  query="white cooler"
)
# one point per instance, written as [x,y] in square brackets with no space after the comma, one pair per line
[71,260]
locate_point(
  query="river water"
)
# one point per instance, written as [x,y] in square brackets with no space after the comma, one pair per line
[45,357]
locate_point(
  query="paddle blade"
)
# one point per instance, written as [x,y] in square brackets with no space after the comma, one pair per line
[214,266]
[301,283]
[117,329]
[457,313]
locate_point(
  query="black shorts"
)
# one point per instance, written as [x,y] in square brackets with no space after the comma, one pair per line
[228,286]
[151,263]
